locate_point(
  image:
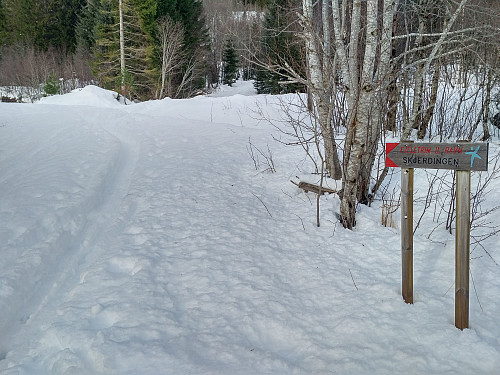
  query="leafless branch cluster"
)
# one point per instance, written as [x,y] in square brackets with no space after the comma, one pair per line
[439,204]
[417,68]
[391,201]
[23,67]
[256,154]
[295,126]
[231,20]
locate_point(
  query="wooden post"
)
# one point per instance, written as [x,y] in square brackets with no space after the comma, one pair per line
[462,247]
[407,233]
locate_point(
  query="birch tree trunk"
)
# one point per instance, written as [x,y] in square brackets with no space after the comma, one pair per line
[418,90]
[429,112]
[122,47]
[486,105]
[356,174]
[170,36]
[366,92]
[317,51]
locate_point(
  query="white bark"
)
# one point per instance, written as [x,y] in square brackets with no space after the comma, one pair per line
[326,34]
[384,68]
[320,76]
[354,57]
[122,46]
[367,90]
[170,35]
[364,120]
[313,60]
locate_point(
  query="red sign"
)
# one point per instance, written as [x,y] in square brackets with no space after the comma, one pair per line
[458,156]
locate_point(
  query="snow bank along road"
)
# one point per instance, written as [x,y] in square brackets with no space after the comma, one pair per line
[141,240]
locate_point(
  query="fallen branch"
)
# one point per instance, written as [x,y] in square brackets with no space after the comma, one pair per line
[320,190]
[6,99]
[263,204]
[352,278]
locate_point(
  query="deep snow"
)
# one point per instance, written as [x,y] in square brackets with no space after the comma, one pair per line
[141,239]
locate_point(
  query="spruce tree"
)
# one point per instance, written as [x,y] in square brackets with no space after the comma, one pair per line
[3,31]
[279,44]
[20,21]
[89,20]
[135,79]
[230,61]
[98,33]
[147,11]
[44,24]
[63,17]
[261,3]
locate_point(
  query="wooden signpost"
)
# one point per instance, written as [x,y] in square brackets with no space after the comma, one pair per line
[463,157]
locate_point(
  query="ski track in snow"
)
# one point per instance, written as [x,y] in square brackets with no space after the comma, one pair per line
[75,243]
[101,220]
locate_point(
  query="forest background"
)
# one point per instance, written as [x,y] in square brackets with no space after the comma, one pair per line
[417,68]
[145,49]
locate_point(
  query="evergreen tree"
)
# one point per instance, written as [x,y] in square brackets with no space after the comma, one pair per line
[261,3]
[189,13]
[88,23]
[279,44]
[64,15]
[147,11]
[98,33]
[44,24]
[230,61]
[135,79]
[20,20]
[3,30]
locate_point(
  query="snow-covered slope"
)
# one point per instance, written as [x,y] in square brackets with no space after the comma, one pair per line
[141,239]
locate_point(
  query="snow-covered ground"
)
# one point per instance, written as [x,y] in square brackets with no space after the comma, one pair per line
[141,239]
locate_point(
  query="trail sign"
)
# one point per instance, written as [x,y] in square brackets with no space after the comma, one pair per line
[458,156]
[463,157]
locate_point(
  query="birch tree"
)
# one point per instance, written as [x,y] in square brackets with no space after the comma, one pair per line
[364,62]
[320,80]
[123,69]
[348,52]
[360,65]
[189,14]
[170,35]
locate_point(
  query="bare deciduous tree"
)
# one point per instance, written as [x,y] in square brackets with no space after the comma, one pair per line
[363,62]
[26,69]
[321,74]
[240,22]
[170,35]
